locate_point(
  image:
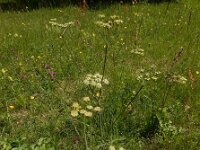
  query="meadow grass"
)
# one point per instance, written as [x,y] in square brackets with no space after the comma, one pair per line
[123,76]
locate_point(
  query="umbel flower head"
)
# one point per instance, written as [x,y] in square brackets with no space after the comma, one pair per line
[84,110]
[179,79]
[111,147]
[86,99]
[95,80]
[76,109]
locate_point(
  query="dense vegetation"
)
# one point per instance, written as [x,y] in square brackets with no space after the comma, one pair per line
[32,4]
[126,76]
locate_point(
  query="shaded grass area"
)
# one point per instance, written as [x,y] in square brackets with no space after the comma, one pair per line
[152,64]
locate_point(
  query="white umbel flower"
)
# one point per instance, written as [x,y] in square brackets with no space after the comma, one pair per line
[89,107]
[97,109]
[106,81]
[98,85]
[88,114]
[74,113]
[111,147]
[121,148]
[86,99]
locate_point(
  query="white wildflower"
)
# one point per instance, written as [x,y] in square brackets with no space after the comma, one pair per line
[86,82]
[74,113]
[179,79]
[16,35]
[4,70]
[154,78]
[140,77]
[97,75]
[89,75]
[104,24]
[53,19]
[121,148]
[97,109]
[147,79]
[93,83]
[88,114]
[86,99]
[111,147]
[89,107]
[138,51]
[114,17]
[82,111]
[157,72]
[76,105]
[134,92]
[65,25]
[106,81]
[95,80]
[98,85]
[118,21]
[98,80]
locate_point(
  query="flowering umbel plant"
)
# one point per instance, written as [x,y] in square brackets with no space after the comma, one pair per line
[95,80]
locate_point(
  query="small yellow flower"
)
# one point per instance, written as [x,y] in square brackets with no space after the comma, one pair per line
[197,72]
[32,97]
[11,106]
[98,94]
[129,107]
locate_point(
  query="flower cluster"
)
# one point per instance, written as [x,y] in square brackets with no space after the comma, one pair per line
[169,128]
[65,25]
[179,79]
[116,19]
[138,51]
[16,35]
[6,75]
[147,75]
[95,80]
[85,109]
[108,24]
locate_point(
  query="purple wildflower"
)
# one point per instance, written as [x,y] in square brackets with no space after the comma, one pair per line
[52,75]
[47,66]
